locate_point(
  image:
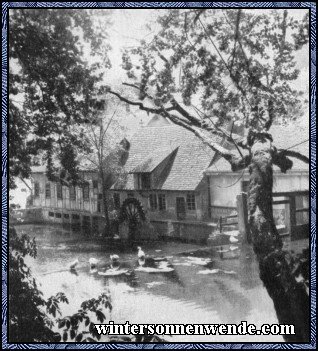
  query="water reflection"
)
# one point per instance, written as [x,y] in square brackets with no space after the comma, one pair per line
[230,293]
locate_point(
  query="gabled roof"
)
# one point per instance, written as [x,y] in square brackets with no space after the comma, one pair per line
[153,144]
[150,162]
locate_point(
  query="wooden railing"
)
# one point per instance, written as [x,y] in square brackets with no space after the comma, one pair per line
[227,222]
[294,229]
[290,227]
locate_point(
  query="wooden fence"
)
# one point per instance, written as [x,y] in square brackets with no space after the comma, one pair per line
[296,215]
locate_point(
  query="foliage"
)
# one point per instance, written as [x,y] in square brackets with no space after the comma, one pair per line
[219,64]
[33,318]
[57,61]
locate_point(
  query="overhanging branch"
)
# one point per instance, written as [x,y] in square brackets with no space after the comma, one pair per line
[194,125]
[294,154]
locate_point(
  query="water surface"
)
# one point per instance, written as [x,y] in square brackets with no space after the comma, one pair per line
[230,293]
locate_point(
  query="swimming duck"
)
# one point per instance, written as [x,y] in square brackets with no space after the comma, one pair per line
[74,264]
[114,261]
[93,262]
[233,239]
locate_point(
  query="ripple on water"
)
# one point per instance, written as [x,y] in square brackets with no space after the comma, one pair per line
[182,296]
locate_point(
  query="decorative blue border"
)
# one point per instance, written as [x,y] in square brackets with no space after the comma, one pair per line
[309,5]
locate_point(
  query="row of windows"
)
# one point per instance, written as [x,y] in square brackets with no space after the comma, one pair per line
[158,202]
[59,191]
[65,215]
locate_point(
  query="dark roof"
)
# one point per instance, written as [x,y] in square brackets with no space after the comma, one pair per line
[294,137]
[153,144]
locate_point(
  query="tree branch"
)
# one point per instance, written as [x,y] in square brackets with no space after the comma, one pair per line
[295,154]
[193,125]
[140,104]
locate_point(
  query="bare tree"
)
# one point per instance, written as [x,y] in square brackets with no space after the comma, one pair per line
[104,136]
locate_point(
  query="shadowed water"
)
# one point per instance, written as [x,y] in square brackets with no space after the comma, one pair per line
[228,291]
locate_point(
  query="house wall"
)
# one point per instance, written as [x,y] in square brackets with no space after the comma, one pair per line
[224,187]
[199,214]
[65,211]
[291,181]
[196,227]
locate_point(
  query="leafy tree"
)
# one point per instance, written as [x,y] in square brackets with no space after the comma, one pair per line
[213,72]
[57,59]
[35,319]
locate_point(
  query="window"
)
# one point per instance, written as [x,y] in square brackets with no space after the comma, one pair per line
[116,198]
[59,193]
[95,186]
[36,189]
[58,215]
[72,193]
[66,216]
[144,181]
[51,214]
[162,202]
[153,202]
[47,190]
[191,201]
[86,192]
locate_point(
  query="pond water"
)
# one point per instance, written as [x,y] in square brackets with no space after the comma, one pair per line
[229,292]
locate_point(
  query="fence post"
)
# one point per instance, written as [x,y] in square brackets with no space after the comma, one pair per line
[292,215]
[242,215]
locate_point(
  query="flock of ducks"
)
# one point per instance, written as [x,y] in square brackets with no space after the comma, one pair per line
[143,260]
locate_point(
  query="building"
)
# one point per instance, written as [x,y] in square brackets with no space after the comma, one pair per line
[77,205]
[225,185]
[182,184]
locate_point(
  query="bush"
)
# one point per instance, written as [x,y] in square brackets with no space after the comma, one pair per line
[31,317]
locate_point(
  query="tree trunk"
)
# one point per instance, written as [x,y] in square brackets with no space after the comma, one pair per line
[282,273]
[107,229]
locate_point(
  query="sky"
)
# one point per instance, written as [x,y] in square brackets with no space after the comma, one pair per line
[129,26]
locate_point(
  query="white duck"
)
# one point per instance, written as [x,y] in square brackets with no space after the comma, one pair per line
[74,264]
[141,257]
[114,261]
[141,254]
[233,239]
[93,262]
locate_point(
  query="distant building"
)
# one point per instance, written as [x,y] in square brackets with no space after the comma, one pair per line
[182,184]
[68,204]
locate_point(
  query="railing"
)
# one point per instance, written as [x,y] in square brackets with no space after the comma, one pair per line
[293,221]
[227,222]
[293,227]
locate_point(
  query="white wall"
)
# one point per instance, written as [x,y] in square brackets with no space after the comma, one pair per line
[225,187]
